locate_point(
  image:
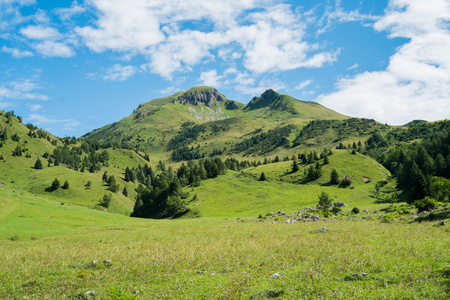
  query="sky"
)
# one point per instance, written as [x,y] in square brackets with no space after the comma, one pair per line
[70,67]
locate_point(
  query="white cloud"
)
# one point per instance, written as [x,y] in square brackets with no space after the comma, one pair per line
[54,49]
[416,84]
[21,90]
[35,107]
[356,65]
[303,84]
[67,124]
[67,13]
[4,105]
[267,37]
[40,32]
[210,78]
[119,73]
[335,14]
[17,53]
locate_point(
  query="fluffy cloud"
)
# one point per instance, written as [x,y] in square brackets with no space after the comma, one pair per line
[416,84]
[267,37]
[21,90]
[210,78]
[54,49]
[17,53]
[40,32]
[119,73]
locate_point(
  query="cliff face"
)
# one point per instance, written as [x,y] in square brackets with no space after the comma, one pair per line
[208,97]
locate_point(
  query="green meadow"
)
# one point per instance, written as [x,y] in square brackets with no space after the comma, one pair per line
[51,250]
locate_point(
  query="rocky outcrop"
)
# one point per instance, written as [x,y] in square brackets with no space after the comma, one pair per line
[208,97]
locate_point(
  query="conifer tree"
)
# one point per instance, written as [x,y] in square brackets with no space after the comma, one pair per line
[55,184]
[295,167]
[65,185]
[262,177]
[334,177]
[38,164]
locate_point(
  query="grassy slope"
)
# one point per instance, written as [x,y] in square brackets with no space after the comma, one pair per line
[241,194]
[19,173]
[154,123]
[46,251]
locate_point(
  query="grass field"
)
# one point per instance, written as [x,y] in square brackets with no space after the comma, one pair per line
[47,251]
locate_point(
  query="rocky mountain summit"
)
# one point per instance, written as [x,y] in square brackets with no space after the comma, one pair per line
[196,97]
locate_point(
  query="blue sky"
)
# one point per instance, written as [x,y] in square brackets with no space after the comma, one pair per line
[72,66]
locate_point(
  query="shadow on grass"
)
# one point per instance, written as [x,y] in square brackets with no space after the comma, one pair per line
[50,189]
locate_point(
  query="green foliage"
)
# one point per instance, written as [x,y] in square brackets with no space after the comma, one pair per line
[334,177]
[262,177]
[187,135]
[38,164]
[295,167]
[88,185]
[17,151]
[265,142]
[425,204]
[355,210]
[324,203]
[388,218]
[65,185]
[440,189]
[346,181]
[106,201]
[55,184]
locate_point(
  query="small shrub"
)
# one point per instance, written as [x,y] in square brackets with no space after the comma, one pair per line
[335,210]
[14,238]
[346,181]
[388,219]
[355,210]
[425,204]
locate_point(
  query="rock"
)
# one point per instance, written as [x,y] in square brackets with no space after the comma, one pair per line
[441,223]
[275,275]
[90,294]
[107,262]
[288,221]
[94,262]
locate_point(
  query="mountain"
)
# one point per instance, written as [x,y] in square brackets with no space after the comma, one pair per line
[207,120]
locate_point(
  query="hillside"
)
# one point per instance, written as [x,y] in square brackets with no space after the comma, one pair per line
[206,120]
[66,160]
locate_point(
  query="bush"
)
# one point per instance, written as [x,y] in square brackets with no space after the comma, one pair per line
[388,219]
[355,210]
[335,210]
[425,204]
[346,181]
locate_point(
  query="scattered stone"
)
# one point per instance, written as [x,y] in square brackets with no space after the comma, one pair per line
[107,262]
[288,221]
[356,276]
[90,294]
[441,223]
[94,262]
[275,275]
[136,292]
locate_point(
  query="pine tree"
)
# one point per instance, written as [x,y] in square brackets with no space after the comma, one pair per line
[295,167]
[38,164]
[125,192]
[55,184]
[334,177]
[262,177]
[65,185]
